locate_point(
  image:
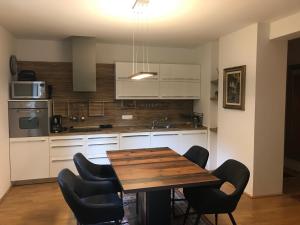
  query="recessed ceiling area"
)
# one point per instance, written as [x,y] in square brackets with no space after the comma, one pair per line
[178,23]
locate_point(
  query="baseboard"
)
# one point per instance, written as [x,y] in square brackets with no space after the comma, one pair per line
[5,194]
[35,181]
[261,196]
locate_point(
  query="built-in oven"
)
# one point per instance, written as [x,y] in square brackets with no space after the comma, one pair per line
[29,118]
[28,90]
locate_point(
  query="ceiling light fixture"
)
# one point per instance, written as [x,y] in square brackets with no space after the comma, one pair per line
[139,8]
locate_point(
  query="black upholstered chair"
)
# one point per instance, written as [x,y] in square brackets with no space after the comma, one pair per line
[211,200]
[94,172]
[197,155]
[91,202]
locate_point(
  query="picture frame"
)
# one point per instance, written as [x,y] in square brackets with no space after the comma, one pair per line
[234,81]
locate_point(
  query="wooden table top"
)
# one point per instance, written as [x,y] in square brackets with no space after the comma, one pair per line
[155,169]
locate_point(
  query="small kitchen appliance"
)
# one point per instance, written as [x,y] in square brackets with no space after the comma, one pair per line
[56,124]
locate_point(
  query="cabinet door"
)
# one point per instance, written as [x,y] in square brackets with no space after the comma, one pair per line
[134,140]
[190,138]
[179,90]
[29,158]
[166,139]
[62,150]
[124,69]
[137,89]
[179,72]
[97,145]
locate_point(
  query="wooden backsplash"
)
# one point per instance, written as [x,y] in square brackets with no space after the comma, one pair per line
[101,107]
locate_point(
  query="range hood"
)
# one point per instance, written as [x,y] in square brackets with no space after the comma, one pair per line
[84,64]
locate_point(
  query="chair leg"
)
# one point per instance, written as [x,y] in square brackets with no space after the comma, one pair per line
[137,203]
[216,219]
[232,219]
[186,213]
[173,201]
[197,219]
[117,222]
[121,195]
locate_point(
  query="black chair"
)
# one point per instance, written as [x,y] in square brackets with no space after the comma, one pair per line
[91,202]
[197,155]
[93,172]
[211,200]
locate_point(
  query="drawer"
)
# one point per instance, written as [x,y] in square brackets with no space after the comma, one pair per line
[67,141]
[66,151]
[100,160]
[103,139]
[100,149]
[58,164]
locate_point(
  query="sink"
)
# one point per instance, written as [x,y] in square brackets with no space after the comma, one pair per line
[163,126]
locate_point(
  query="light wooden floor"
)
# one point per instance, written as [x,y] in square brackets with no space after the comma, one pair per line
[42,204]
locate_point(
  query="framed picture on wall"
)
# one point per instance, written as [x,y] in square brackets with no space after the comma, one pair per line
[234,80]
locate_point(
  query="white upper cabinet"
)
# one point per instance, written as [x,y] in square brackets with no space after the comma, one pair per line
[179,72]
[136,89]
[124,70]
[174,81]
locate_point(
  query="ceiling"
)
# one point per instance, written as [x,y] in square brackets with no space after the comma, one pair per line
[178,23]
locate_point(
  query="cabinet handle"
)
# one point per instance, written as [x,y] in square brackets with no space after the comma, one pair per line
[102,144]
[203,132]
[95,138]
[67,139]
[141,135]
[67,146]
[165,134]
[22,141]
[61,159]
[97,157]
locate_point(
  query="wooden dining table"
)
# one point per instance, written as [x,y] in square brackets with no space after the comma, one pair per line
[152,172]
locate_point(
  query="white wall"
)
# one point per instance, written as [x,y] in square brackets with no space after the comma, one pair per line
[6,49]
[287,27]
[235,127]
[269,114]
[60,51]
[208,59]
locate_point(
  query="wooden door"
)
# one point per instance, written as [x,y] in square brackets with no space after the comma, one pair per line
[292,124]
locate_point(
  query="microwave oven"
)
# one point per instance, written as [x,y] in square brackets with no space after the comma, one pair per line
[28,90]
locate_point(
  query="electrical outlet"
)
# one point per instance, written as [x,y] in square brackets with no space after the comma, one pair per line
[127,117]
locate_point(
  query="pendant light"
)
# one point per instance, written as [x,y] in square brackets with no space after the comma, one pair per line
[145,73]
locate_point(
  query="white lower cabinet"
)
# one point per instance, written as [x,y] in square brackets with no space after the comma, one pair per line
[43,157]
[62,150]
[135,140]
[169,139]
[193,137]
[97,145]
[29,158]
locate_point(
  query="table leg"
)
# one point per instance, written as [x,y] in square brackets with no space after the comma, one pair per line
[154,207]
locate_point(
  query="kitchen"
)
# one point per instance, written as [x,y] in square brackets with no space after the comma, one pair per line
[179,108]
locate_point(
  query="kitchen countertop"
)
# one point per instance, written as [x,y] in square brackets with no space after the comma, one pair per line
[130,129]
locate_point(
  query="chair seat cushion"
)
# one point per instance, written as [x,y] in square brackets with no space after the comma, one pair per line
[103,199]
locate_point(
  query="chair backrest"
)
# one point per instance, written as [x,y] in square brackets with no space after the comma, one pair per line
[198,155]
[71,189]
[84,167]
[235,173]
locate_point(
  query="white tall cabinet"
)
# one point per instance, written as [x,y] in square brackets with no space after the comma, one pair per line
[29,158]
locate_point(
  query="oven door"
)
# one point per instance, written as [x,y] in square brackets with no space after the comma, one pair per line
[28,122]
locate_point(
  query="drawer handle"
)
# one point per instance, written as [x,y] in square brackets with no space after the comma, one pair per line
[22,141]
[67,139]
[165,134]
[103,144]
[97,157]
[141,135]
[95,138]
[61,159]
[194,133]
[66,146]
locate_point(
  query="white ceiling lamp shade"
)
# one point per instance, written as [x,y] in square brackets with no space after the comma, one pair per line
[139,9]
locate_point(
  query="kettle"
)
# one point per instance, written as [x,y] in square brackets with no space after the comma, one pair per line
[56,124]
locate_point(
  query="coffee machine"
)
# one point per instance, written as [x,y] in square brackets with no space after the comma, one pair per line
[56,124]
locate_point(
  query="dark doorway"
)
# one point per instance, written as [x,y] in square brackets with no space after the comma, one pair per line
[291,173]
